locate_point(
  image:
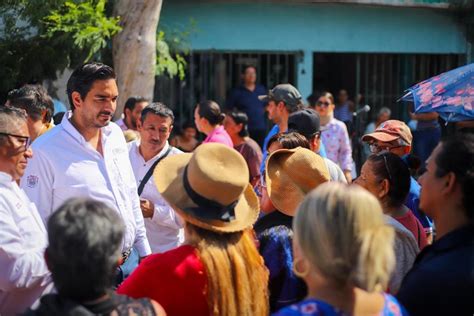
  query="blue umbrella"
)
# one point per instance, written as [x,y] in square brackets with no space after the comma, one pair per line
[451,94]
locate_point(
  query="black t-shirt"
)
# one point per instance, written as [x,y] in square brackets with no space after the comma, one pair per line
[441,281]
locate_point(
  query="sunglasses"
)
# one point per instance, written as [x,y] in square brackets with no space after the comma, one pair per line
[25,141]
[324,104]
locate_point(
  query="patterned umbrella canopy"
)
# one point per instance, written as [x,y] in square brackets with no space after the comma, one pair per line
[451,94]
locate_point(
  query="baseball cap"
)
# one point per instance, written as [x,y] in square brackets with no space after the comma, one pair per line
[306,122]
[283,92]
[389,131]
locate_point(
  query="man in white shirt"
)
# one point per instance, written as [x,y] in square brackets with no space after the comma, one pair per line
[163,226]
[24,276]
[131,113]
[87,156]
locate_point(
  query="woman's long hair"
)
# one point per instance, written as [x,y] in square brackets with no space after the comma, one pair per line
[237,276]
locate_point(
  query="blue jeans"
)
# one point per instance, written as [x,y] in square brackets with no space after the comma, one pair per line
[425,141]
[127,267]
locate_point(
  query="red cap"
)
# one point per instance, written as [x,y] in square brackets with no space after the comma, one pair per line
[389,131]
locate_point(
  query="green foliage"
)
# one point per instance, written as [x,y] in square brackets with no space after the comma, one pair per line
[166,62]
[85,22]
[38,38]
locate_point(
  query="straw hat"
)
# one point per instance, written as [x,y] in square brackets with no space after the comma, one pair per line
[209,188]
[291,174]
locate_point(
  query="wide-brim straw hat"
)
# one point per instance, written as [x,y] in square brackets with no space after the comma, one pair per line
[291,174]
[209,188]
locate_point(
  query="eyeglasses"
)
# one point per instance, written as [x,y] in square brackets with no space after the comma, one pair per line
[376,148]
[386,167]
[25,141]
[325,104]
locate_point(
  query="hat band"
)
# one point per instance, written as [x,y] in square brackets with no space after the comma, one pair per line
[207,209]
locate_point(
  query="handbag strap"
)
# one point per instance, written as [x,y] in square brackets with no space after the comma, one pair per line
[150,171]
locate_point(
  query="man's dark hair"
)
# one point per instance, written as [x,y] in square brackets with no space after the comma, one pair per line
[326,94]
[159,109]
[211,111]
[289,140]
[247,67]
[391,167]
[34,99]
[85,238]
[84,77]
[10,117]
[240,118]
[456,155]
[132,101]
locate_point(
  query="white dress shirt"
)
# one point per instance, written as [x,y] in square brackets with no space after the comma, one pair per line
[164,229]
[24,276]
[65,165]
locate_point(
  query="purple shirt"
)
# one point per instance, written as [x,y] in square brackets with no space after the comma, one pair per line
[337,143]
[219,135]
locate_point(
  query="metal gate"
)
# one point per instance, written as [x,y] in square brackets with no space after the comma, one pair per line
[211,75]
[379,79]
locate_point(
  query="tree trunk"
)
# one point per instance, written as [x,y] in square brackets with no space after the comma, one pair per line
[134,49]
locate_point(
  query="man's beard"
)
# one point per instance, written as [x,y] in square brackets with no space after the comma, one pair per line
[99,125]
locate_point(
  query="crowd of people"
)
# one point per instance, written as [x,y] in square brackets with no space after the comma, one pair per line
[118,218]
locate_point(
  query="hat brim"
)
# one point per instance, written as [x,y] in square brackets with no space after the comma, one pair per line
[282,185]
[264,98]
[381,136]
[168,177]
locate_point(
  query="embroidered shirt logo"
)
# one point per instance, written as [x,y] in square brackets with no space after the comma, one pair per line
[32,181]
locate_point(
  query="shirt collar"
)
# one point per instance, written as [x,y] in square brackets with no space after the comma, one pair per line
[5,177]
[136,144]
[71,130]
[453,239]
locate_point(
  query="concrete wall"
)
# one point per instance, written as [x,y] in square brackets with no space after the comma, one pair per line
[316,28]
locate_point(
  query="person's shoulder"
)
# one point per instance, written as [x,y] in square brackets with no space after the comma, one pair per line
[260,88]
[392,307]
[186,256]
[49,139]
[175,151]
[335,171]
[339,124]
[253,145]
[309,307]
